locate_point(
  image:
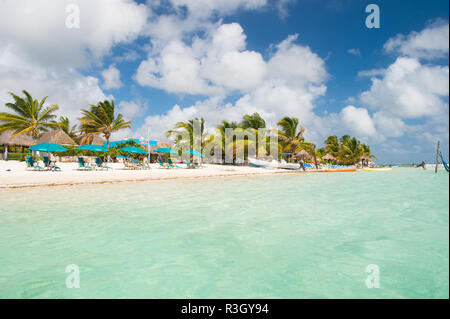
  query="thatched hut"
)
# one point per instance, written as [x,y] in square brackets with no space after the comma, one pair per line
[365,160]
[329,157]
[7,139]
[302,155]
[22,140]
[93,140]
[56,136]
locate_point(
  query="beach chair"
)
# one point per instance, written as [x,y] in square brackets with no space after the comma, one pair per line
[161,164]
[171,164]
[82,164]
[49,166]
[32,164]
[188,165]
[100,164]
[137,164]
[197,165]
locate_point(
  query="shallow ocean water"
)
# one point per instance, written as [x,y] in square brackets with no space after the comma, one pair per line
[286,236]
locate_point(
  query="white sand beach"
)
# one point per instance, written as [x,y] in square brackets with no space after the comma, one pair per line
[13,174]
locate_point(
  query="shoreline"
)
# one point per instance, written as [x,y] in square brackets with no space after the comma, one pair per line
[19,178]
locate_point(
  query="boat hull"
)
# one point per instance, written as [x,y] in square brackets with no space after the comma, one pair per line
[340,170]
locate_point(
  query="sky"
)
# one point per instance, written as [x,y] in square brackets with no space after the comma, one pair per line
[165,61]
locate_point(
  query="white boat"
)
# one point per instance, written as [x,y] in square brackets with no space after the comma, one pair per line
[273,164]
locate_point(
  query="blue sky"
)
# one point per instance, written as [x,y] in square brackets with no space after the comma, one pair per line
[173,60]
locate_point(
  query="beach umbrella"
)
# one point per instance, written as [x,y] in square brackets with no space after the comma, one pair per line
[92,148]
[165,150]
[48,147]
[193,152]
[132,149]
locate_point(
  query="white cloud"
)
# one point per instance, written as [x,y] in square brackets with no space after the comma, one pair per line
[205,8]
[287,84]
[354,51]
[67,88]
[358,121]
[410,90]
[132,109]
[111,78]
[430,43]
[38,29]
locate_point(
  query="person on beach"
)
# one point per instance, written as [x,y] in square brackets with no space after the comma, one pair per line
[301,164]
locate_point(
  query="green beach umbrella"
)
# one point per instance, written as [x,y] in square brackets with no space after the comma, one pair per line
[132,149]
[193,152]
[48,147]
[165,150]
[92,148]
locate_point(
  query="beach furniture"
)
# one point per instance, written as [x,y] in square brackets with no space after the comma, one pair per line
[161,164]
[49,165]
[32,164]
[171,164]
[82,164]
[189,164]
[100,164]
[197,165]
[136,164]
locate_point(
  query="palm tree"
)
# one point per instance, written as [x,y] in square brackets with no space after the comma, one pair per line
[254,123]
[64,124]
[351,150]
[290,137]
[100,119]
[31,116]
[221,130]
[185,134]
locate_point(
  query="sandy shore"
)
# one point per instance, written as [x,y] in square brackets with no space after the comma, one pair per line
[14,175]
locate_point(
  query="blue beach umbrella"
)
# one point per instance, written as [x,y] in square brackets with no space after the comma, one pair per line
[193,152]
[48,147]
[92,148]
[132,149]
[165,150]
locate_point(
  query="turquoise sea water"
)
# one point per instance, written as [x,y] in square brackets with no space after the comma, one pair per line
[287,236]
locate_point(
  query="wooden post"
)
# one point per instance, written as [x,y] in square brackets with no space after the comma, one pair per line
[437,157]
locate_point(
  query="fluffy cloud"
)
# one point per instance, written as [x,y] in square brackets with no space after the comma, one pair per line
[210,66]
[409,90]
[358,121]
[205,8]
[131,109]
[354,51]
[286,84]
[67,88]
[38,29]
[111,78]
[430,43]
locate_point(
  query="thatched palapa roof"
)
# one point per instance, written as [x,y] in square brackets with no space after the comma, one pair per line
[303,155]
[365,158]
[57,137]
[329,157]
[93,140]
[6,138]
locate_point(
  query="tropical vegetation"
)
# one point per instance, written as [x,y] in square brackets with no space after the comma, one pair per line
[33,117]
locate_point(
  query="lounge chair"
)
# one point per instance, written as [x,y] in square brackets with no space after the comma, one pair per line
[82,164]
[137,164]
[32,164]
[171,164]
[48,164]
[197,165]
[189,164]
[161,164]
[100,164]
